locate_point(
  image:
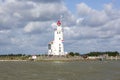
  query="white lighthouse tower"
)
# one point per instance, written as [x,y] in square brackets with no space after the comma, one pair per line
[56,46]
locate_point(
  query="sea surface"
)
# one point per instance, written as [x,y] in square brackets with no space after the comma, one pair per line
[77,70]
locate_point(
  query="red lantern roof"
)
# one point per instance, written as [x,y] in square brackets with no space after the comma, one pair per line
[58,23]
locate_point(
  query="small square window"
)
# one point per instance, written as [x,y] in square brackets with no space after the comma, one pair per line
[59,50]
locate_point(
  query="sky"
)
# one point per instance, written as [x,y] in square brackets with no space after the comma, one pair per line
[26,26]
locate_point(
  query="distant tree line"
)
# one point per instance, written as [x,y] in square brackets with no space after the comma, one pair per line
[109,53]
[73,54]
[12,54]
[115,53]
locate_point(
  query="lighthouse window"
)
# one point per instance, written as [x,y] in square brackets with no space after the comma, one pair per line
[59,50]
[49,46]
[58,32]
[59,47]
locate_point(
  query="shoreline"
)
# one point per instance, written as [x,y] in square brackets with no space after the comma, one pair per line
[62,59]
[54,60]
[12,60]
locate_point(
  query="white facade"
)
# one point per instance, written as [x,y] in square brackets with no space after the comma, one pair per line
[56,47]
[34,57]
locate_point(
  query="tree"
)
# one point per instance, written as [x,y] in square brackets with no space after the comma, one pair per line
[102,53]
[71,54]
[76,54]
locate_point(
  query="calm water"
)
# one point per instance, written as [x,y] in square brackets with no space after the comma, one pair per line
[83,70]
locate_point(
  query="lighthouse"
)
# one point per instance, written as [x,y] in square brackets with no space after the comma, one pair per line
[56,46]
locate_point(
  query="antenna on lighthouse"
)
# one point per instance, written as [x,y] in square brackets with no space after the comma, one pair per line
[61,19]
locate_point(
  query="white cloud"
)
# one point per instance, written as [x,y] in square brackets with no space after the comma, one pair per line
[83,9]
[29,24]
[37,27]
[97,27]
[26,26]
[29,27]
[91,16]
[79,21]
[54,25]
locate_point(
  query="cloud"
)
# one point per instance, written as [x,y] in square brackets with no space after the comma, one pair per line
[47,1]
[36,27]
[111,11]
[91,17]
[95,30]
[83,9]
[27,26]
